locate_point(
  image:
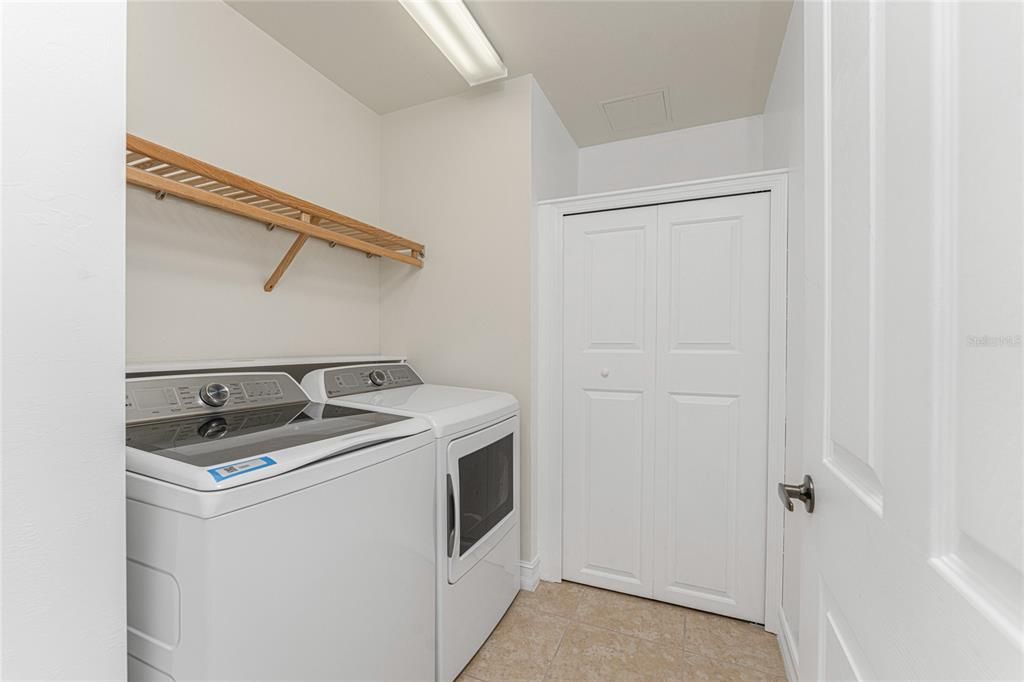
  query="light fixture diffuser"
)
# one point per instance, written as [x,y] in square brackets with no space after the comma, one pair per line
[453,29]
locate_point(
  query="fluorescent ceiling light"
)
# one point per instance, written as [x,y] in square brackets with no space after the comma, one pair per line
[455,32]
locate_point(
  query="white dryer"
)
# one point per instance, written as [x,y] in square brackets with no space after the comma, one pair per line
[477,490]
[272,538]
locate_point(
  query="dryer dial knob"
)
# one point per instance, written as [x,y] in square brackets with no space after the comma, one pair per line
[377,377]
[214,395]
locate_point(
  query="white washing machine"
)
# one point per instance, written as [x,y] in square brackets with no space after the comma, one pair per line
[477,487]
[273,538]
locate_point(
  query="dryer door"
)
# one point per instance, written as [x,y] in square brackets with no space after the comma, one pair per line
[483,493]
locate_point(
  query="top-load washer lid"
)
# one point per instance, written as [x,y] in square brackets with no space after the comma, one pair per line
[176,436]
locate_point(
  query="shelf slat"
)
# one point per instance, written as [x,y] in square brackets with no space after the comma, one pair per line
[166,171]
[183,191]
[171,157]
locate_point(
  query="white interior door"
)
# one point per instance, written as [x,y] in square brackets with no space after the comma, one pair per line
[666,313]
[913,562]
[712,404]
[608,406]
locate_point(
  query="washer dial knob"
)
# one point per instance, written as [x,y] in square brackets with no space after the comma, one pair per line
[214,395]
[378,377]
[213,429]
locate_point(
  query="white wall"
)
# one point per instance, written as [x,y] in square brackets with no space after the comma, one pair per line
[554,155]
[784,147]
[456,173]
[554,164]
[708,151]
[206,82]
[62,567]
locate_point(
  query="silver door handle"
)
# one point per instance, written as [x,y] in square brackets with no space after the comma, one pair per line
[451,517]
[803,492]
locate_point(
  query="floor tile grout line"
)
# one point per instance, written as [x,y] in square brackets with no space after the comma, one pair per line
[626,634]
[575,618]
[551,661]
[732,663]
[686,626]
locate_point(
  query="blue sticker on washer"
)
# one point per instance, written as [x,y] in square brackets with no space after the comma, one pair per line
[221,473]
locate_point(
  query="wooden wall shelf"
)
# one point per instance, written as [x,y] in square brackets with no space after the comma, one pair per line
[166,171]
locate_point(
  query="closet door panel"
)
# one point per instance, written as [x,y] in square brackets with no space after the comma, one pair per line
[704,281]
[711,403]
[607,400]
[699,539]
[611,486]
[665,402]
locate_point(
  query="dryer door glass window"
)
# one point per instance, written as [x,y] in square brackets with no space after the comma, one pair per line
[485,490]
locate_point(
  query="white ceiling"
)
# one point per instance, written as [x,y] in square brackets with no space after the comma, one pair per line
[714,60]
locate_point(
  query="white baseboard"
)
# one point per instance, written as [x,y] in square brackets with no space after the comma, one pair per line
[790,658]
[529,574]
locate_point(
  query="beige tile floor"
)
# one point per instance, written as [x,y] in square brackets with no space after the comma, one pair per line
[565,631]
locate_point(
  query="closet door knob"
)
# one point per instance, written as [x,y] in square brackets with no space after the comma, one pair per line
[605,372]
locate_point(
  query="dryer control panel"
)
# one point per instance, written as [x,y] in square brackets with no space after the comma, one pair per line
[163,397]
[366,378]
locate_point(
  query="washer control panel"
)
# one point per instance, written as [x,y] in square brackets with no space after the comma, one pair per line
[343,381]
[174,396]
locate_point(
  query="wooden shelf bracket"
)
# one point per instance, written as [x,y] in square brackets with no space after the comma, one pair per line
[166,171]
[289,255]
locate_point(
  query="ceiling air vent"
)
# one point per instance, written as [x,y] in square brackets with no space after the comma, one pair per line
[637,112]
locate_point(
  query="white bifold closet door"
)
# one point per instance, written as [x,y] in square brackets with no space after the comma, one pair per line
[666,402]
